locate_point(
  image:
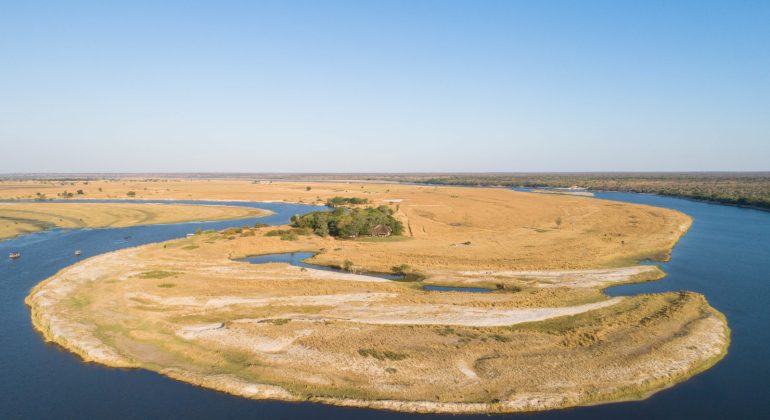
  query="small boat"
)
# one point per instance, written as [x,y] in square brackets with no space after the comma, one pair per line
[77,253]
[14,255]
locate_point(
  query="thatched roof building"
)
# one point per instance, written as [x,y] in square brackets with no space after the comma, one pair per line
[380,230]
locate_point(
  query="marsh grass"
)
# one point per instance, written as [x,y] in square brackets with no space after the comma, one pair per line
[276,321]
[382,355]
[157,274]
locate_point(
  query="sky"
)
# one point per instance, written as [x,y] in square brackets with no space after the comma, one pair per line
[384,86]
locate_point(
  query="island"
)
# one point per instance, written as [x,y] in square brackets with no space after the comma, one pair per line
[18,218]
[494,302]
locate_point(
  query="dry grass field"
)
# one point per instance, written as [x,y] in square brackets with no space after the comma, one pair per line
[472,228]
[20,218]
[548,338]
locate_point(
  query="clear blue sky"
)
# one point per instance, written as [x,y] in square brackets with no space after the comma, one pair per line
[386,85]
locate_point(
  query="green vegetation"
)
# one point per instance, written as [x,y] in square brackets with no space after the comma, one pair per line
[156,274]
[285,234]
[276,321]
[401,269]
[342,201]
[131,194]
[407,273]
[289,234]
[382,355]
[348,223]
[166,285]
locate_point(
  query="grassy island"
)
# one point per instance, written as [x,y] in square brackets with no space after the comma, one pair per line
[546,337]
[20,218]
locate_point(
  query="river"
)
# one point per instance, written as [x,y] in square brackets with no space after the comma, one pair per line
[725,256]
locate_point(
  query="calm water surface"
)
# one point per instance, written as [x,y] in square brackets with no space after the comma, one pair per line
[726,256]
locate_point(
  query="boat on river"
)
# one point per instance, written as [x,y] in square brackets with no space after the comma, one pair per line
[14,255]
[77,253]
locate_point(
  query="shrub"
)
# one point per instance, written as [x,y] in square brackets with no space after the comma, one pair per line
[232,231]
[407,274]
[382,355]
[285,234]
[400,269]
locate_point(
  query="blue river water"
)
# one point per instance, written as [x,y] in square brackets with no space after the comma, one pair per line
[725,255]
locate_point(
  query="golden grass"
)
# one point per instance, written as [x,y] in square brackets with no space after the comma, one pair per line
[19,218]
[505,229]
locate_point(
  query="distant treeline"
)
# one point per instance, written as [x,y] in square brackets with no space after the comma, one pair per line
[738,189]
[348,223]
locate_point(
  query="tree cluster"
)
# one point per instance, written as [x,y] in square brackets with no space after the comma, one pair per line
[342,201]
[348,223]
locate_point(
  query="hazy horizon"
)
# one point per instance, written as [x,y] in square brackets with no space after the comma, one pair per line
[384,87]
